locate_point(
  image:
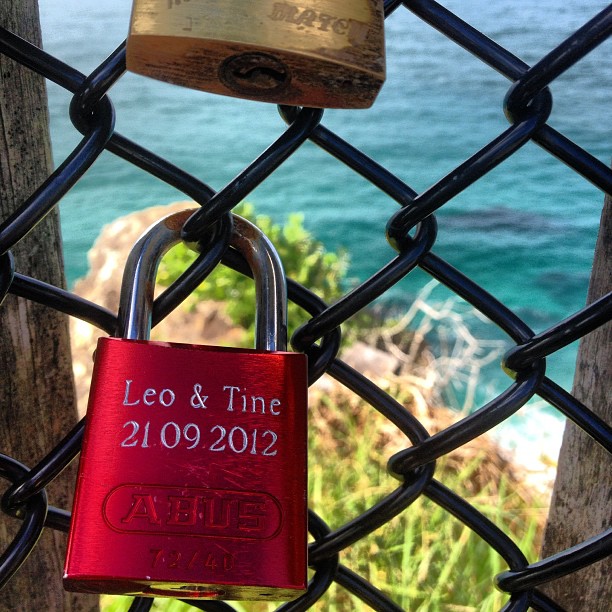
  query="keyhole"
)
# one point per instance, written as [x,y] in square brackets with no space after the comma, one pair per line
[260,77]
[254,73]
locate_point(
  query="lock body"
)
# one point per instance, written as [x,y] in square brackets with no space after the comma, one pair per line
[192,478]
[318,53]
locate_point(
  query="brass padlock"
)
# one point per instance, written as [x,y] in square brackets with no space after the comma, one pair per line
[317,53]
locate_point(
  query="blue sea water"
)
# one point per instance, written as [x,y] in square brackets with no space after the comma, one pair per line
[525,232]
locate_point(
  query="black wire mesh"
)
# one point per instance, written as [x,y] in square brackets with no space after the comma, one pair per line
[411,230]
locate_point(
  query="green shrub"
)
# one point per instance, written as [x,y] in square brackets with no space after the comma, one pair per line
[304,259]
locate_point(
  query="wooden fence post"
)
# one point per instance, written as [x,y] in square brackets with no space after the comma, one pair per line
[581,504]
[37,405]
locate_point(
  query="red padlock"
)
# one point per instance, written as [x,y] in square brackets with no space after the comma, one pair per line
[192,478]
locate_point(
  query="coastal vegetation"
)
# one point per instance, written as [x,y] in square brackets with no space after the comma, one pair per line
[305,260]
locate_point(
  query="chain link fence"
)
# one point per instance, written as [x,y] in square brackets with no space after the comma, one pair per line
[411,230]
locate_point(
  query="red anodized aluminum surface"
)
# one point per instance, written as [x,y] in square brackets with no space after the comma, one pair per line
[192,480]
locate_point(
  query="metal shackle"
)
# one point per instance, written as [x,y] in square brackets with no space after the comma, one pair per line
[137,287]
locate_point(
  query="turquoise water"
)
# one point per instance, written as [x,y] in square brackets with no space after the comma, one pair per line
[525,232]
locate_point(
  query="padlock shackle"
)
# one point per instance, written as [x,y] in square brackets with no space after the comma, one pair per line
[138,285]
[270,284]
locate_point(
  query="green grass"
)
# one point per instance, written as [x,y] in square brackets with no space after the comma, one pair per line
[424,559]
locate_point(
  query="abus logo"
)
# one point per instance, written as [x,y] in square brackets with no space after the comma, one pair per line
[133,508]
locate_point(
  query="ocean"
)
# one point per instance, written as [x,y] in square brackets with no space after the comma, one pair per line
[526,232]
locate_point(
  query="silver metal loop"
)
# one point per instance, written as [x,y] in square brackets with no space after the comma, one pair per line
[137,288]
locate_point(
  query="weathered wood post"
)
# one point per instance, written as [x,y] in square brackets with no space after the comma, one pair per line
[581,504]
[37,406]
